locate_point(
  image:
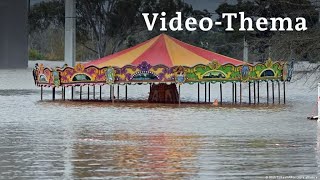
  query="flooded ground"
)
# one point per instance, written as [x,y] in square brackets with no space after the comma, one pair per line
[94,140]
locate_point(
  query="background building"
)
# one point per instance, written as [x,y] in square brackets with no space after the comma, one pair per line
[13,34]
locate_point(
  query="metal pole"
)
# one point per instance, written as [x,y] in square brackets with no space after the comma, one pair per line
[64,93]
[267,92]
[72,92]
[209,100]
[254,92]
[205,92]
[80,92]
[235,92]
[232,93]
[118,93]
[112,89]
[249,92]
[284,92]
[198,92]
[41,93]
[100,92]
[258,92]
[88,92]
[110,92]
[279,92]
[54,93]
[221,93]
[94,92]
[179,94]
[272,92]
[240,92]
[126,92]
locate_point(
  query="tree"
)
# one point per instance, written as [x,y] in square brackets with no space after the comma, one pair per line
[261,41]
[104,26]
[46,14]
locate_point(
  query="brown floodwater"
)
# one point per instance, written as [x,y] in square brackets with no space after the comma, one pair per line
[99,140]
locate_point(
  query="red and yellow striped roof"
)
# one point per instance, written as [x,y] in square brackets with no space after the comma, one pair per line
[164,50]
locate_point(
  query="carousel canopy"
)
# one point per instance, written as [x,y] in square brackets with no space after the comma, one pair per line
[164,50]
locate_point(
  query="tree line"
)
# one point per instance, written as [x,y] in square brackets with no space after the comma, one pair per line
[108,26]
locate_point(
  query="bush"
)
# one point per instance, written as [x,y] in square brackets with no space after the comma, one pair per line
[36,55]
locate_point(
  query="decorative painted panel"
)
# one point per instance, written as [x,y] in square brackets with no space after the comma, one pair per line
[146,73]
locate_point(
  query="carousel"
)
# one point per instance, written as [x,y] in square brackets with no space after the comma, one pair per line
[165,64]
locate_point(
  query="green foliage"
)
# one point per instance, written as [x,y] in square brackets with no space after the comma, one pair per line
[107,26]
[35,55]
[268,9]
[44,14]
[108,23]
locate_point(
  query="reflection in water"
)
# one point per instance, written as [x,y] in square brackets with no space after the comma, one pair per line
[132,155]
[15,92]
[259,157]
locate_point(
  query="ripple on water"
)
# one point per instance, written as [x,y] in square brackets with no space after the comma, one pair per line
[98,140]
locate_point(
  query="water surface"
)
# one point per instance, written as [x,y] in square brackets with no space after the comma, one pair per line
[94,140]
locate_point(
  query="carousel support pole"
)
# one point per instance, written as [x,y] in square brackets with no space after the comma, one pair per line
[88,92]
[198,92]
[112,93]
[100,93]
[249,92]
[279,92]
[126,92]
[54,93]
[94,92]
[80,92]
[235,93]
[240,92]
[205,92]
[62,89]
[232,93]
[284,92]
[258,92]
[72,92]
[150,90]
[41,91]
[254,93]
[220,93]
[64,93]
[272,92]
[267,92]
[179,94]
[118,92]
[209,100]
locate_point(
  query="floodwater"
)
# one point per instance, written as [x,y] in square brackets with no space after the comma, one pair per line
[92,140]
